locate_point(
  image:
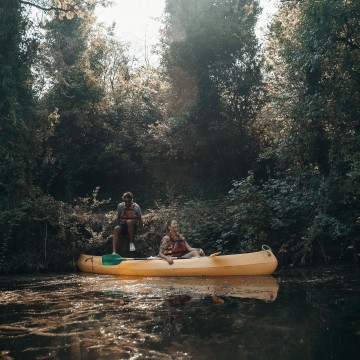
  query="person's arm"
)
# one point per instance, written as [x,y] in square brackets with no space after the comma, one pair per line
[120,210]
[167,258]
[189,248]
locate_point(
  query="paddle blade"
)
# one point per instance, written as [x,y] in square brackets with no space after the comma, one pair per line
[111,259]
[215,254]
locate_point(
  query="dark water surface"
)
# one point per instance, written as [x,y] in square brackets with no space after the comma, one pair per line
[312,314]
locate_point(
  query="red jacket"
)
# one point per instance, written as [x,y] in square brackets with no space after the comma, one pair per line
[179,246]
[129,212]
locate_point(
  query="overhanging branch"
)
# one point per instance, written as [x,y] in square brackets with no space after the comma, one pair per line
[56,8]
[39,6]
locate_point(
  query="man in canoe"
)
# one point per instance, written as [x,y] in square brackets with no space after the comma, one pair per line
[128,220]
[174,246]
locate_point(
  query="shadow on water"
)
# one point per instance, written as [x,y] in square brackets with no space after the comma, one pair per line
[299,315]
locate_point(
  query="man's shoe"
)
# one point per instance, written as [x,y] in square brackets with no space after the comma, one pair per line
[132,247]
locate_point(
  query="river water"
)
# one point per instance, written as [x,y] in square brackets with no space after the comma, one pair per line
[307,314]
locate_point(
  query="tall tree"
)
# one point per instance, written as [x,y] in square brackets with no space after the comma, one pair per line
[316,88]
[129,106]
[17,110]
[20,128]
[211,59]
[311,127]
[74,91]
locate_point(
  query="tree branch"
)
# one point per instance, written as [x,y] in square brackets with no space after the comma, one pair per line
[46,8]
[39,6]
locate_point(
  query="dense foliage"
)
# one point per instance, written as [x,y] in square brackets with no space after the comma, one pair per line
[313,136]
[210,57]
[245,145]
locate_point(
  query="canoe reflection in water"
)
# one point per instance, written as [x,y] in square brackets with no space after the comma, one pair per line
[184,297]
[188,295]
[177,305]
[251,287]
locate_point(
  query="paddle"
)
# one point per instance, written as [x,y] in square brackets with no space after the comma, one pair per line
[215,254]
[115,259]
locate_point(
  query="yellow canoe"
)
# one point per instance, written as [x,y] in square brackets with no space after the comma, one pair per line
[257,263]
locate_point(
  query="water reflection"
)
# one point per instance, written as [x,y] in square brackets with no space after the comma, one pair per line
[256,287]
[87,316]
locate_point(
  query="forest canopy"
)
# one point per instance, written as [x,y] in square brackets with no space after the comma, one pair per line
[245,142]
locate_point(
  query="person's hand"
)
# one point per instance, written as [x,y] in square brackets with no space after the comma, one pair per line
[201,252]
[170,260]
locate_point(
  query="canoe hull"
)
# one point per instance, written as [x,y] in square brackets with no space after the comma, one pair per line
[258,263]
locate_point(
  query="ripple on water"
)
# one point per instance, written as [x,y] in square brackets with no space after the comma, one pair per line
[102,316]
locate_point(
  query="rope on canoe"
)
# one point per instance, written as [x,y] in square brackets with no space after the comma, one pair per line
[92,262]
[267,249]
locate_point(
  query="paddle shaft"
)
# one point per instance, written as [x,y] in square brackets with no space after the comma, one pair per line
[158,258]
[118,260]
[215,254]
[148,258]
